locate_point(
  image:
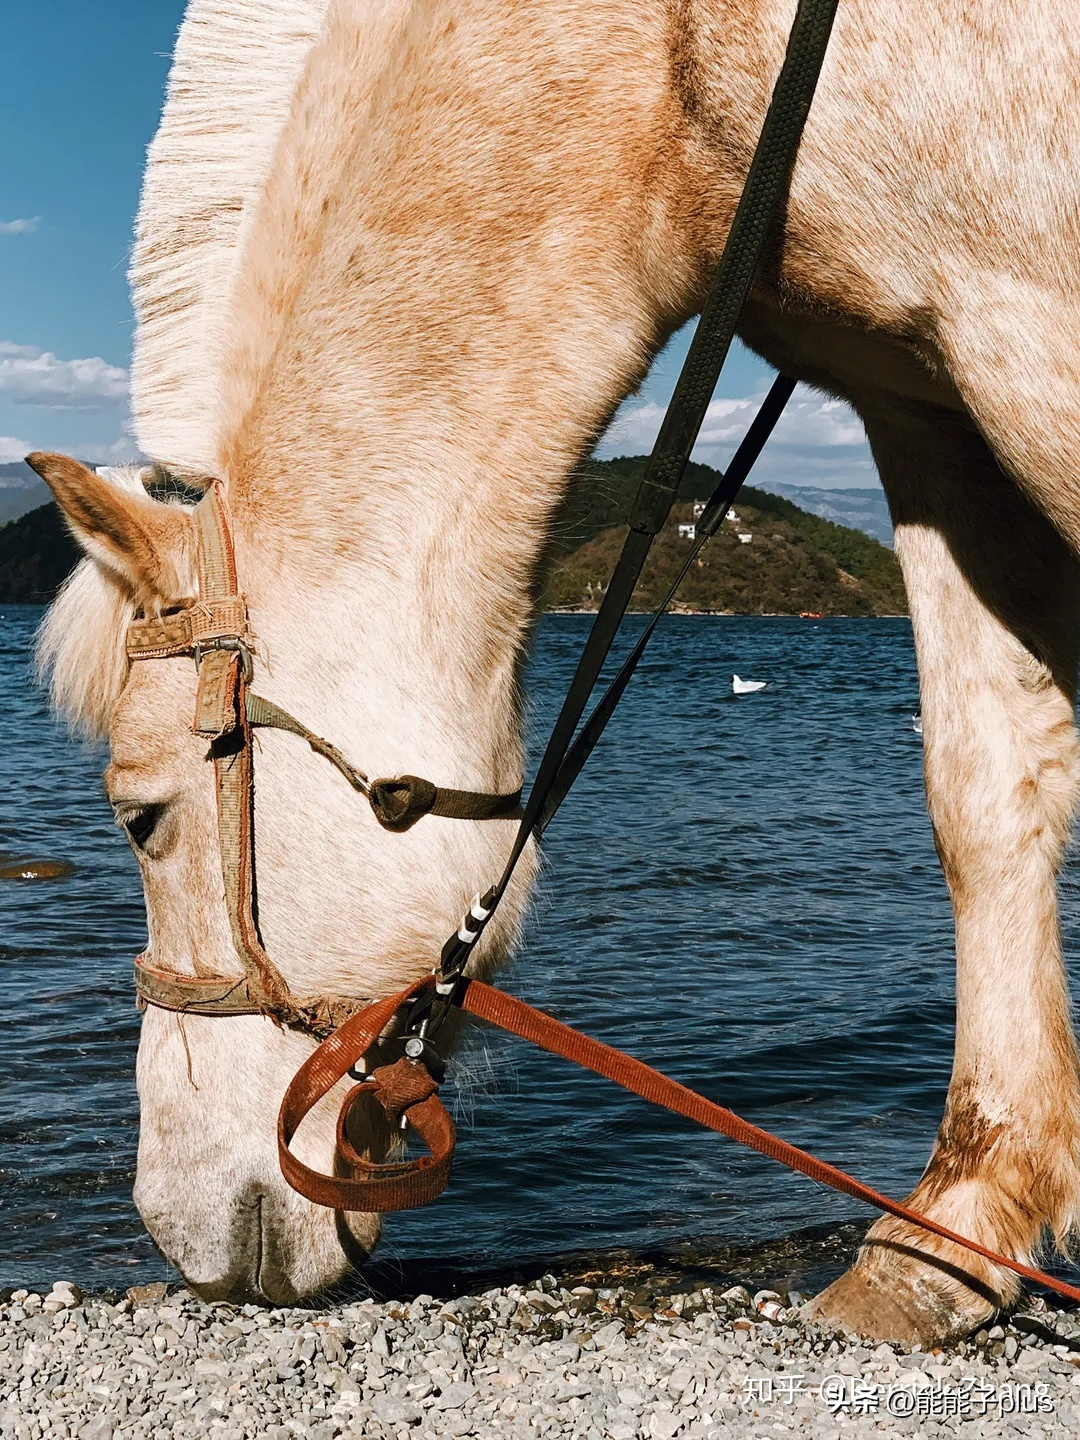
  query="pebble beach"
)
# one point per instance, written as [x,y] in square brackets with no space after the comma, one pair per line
[518,1361]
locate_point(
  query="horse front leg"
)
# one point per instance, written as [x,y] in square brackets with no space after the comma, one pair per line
[993,592]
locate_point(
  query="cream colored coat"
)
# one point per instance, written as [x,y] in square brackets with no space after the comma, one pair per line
[397,265]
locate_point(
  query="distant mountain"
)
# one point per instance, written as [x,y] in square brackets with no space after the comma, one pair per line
[795,561]
[863,509]
[792,562]
[20,491]
[36,555]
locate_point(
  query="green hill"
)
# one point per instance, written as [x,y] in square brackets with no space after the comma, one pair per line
[36,556]
[795,561]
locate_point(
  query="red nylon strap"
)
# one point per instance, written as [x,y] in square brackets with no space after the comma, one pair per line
[410,1183]
[520,1019]
[368,1187]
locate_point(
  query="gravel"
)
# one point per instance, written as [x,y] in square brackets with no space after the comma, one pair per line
[522,1361]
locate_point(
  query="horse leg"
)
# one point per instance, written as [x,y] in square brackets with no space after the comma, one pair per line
[993,592]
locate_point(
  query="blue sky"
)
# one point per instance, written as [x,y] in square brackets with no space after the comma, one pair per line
[82,87]
[82,90]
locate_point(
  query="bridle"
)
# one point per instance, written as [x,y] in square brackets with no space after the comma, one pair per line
[215,630]
[353,1033]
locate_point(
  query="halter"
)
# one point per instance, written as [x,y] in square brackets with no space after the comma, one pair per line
[216,630]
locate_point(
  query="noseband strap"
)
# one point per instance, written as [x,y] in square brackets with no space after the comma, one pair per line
[216,630]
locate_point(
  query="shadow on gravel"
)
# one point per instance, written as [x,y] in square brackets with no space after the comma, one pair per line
[806,1260]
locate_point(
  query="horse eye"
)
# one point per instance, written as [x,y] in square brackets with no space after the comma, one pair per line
[139,821]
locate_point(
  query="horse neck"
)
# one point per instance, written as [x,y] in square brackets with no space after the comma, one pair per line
[451,283]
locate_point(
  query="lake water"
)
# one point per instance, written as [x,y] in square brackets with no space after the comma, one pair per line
[743,891]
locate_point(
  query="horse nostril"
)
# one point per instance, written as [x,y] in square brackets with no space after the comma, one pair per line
[259,1243]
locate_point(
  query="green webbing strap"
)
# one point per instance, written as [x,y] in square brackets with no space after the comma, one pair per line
[399,802]
[766,185]
[266,714]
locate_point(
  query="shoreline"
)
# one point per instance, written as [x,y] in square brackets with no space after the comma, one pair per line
[568,610]
[579,1363]
[738,614]
[806,1259]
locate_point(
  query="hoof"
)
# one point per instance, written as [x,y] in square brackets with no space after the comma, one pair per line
[907,1309]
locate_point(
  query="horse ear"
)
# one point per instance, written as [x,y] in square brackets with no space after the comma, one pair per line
[144,542]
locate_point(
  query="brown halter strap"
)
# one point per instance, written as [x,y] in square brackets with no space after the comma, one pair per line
[215,629]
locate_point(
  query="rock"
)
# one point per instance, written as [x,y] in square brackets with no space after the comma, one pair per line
[380,1342]
[395,1411]
[664,1423]
[64,1289]
[148,1294]
[36,870]
[455,1395]
[99,1428]
[184,1370]
[737,1295]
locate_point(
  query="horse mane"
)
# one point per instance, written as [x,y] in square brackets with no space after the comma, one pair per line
[236,67]
[234,73]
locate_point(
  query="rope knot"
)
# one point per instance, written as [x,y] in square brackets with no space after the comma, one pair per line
[400,1086]
[400,802]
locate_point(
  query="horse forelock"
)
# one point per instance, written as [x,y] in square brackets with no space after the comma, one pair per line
[236,66]
[81,650]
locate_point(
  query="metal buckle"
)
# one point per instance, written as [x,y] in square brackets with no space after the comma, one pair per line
[416,1048]
[228,642]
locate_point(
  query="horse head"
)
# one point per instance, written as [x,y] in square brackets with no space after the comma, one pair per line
[344,904]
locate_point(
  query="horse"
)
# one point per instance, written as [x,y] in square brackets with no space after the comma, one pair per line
[397,264]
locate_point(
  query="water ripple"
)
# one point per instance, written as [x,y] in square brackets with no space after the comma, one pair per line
[743,892]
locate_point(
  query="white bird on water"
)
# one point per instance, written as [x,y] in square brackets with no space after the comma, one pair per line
[747,687]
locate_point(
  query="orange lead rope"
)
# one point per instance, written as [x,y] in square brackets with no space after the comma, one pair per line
[406,1184]
[404,1088]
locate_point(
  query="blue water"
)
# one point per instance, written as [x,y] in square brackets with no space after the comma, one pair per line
[743,892]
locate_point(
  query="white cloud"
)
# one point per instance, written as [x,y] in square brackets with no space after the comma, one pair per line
[20,227]
[12,449]
[121,452]
[818,441]
[37,377]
